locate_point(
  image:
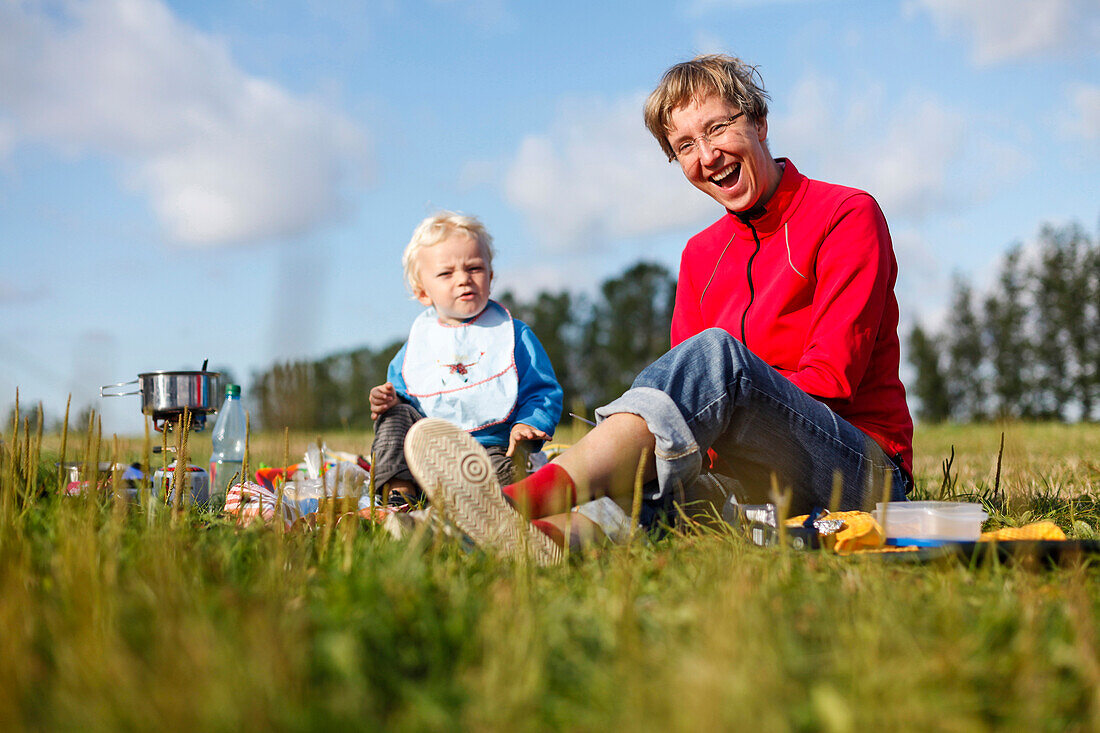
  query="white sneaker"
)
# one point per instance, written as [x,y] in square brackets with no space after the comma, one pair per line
[455,472]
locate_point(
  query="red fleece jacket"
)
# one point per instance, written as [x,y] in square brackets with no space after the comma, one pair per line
[813,295]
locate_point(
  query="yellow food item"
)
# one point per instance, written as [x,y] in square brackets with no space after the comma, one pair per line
[860,531]
[1033,531]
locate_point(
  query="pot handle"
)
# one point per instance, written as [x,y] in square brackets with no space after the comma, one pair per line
[117,394]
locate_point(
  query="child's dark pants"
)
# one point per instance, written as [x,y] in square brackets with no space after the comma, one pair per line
[388,451]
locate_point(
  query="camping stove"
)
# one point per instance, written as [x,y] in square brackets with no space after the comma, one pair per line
[172,419]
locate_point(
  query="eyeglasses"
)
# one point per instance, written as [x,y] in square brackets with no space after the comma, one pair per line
[688,150]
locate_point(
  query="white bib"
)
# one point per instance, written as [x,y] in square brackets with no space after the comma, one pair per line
[466,373]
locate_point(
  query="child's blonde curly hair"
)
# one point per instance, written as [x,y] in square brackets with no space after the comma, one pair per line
[435,229]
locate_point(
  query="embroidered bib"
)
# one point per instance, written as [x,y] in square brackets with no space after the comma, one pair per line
[466,373]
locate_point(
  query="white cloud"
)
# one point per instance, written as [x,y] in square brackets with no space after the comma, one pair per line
[222,156]
[914,155]
[597,174]
[921,289]
[528,280]
[707,42]
[1003,30]
[1085,120]
[7,139]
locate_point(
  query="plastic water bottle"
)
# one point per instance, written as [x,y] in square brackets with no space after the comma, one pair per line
[227,458]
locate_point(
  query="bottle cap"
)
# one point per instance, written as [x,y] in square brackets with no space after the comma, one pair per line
[232,390]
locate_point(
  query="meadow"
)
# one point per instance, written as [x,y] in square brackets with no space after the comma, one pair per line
[117,617]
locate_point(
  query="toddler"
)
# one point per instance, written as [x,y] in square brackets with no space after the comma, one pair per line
[466,361]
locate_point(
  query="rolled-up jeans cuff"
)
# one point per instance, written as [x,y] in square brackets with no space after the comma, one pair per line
[676,452]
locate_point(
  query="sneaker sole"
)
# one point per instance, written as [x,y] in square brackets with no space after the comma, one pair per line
[455,472]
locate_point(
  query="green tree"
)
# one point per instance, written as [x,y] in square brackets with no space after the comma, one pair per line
[553,318]
[1091,350]
[283,396]
[966,383]
[628,327]
[1034,350]
[1064,281]
[1007,340]
[359,380]
[331,392]
[931,385]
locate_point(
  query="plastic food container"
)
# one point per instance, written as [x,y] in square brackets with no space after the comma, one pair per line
[931,522]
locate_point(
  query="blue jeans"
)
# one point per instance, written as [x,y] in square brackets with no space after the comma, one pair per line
[712,392]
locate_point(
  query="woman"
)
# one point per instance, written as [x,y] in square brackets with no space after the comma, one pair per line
[785,358]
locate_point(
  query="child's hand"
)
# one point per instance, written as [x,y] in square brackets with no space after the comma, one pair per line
[523,432]
[382,398]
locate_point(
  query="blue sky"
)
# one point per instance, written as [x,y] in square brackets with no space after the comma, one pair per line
[236,180]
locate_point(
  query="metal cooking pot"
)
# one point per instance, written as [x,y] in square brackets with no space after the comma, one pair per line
[169,393]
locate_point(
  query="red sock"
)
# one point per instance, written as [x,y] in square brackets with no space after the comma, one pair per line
[550,530]
[546,489]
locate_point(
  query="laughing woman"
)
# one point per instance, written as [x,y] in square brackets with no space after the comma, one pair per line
[785,352]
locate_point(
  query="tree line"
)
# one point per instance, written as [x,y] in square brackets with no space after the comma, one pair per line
[597,345]
[1028,348]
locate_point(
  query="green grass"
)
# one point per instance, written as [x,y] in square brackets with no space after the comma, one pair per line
[1047,471]
[114,618]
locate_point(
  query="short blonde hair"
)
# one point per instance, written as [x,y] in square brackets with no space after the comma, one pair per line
[730,78]
[436,228]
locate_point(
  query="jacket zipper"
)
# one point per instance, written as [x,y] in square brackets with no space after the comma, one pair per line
[748,274]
